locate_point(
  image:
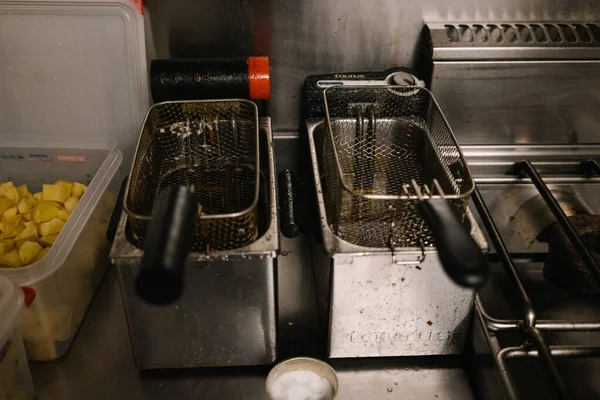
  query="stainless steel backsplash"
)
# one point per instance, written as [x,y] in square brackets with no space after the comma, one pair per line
[305,37]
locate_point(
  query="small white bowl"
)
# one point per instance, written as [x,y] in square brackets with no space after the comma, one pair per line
[319,367]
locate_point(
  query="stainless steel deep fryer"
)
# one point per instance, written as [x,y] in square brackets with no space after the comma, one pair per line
[396,175]
[211,154]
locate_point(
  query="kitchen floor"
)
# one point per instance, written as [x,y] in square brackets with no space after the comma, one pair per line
[100,363]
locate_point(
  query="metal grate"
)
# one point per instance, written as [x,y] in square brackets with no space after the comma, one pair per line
[211,146]
[384,144]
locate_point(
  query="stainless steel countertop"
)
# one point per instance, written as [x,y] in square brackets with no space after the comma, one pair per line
[100,363]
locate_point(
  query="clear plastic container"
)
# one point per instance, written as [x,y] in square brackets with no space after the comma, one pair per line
[65,280]
[15,379]
[74,69]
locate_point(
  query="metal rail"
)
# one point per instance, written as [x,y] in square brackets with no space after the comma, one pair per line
[528,325]
[534,344]
[525,167]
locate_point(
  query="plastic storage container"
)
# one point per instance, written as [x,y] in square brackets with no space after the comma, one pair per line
[15,379]
[74,68]
[65,280]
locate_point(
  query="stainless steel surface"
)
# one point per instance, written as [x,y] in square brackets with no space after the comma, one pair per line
[559,163]
[211,146]
[381,309]
[523,41]
[227,315]
[308,37]
[100,363]
[385,146]
[508,94]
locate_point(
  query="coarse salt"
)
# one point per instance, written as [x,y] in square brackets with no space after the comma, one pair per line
[301,385]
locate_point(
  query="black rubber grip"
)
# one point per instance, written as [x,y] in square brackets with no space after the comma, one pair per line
[167,245]
[288,215]
[461,256]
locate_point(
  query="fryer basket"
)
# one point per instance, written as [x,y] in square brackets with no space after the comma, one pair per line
[210,146]
[388,147]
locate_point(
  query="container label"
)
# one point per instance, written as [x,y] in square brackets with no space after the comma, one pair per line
[38,157]
[79,159]
[12,156]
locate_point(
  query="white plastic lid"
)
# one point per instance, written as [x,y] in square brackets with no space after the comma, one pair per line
[11,302]
[73,69]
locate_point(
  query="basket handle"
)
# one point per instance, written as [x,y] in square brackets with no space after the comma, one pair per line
[167,246]
[461,256]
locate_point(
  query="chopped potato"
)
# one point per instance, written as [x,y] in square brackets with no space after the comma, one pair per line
[50,227]
[29,234]
[55,193]
[78,189]
[23,191]
[42,253]
[44,212]
[10,222]
[6,185]
[28,216]
[12,259]
[11,212]
[26,203]
[12,194]
[30,223]
[64,215]
[47,240]
[29,252]
[5,204]
[14,232]
[8,245]
[67,184]
[71,203]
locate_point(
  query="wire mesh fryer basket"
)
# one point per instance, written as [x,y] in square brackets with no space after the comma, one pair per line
[386,148]
[209,145]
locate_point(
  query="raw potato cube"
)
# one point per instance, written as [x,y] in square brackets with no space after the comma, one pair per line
[55,193]
[11,212]
[6,185]
[5,204]
[42,254]
[29,234]
[38,196]
[78,189]
[12,259]
[62,214]
[50,227]
[11,222]
[48,240]
[23,191]
[26,203]
[44,212]
[8,245]
[12,194]
[29,251]
[15,232]
[71,203]
[67,184]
